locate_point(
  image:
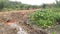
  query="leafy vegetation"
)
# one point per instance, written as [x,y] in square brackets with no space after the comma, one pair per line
[10,5]
[53,32]
[45,17]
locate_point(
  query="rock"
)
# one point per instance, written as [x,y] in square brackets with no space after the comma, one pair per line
[5,29]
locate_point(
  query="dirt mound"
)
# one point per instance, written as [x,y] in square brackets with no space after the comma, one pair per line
[19,18]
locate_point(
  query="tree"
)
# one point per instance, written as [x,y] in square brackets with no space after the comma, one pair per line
[44,6]
[57,3]
[2,2]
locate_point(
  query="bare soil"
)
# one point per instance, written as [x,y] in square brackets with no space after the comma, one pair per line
[20,17]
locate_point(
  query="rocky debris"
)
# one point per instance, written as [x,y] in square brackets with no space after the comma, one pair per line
[20,25]
[5,29]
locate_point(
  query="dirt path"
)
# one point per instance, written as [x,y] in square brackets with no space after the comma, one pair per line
[23,11]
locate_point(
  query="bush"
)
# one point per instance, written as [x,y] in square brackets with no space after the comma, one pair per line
[45,18]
